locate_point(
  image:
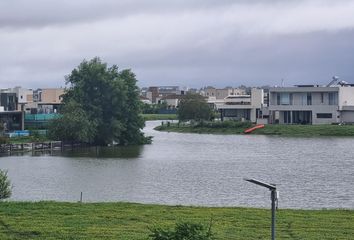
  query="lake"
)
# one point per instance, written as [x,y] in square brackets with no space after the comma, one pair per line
[194,169]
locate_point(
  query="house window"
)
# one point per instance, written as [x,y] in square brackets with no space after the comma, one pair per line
[278,99]
[324,115]
[333,98]
[284,98]
[321,97]
[287,117]
[304,99]
[309,99]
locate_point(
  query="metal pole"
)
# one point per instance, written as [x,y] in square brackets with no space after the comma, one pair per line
[273,197]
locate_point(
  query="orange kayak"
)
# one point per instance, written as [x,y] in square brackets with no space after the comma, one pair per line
[249,130]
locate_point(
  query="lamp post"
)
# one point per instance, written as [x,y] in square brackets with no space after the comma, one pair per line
[273,197]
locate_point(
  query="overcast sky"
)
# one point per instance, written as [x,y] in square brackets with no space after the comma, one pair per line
[191,43]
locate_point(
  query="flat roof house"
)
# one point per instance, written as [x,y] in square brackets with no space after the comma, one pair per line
[240,107]
[311,104]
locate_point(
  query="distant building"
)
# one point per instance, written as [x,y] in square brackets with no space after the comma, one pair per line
[172,100]
[221,93]
[156,93]
[242,107]
[47,100]
[8,101]
[311,104]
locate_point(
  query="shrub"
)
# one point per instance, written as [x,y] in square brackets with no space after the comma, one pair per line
[183,231]
[224,124]
[5,185]
[3,140]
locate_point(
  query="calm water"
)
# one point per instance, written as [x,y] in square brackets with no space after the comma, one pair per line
[194,169]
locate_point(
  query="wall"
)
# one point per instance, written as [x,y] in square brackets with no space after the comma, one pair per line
[346,97]
[52,95]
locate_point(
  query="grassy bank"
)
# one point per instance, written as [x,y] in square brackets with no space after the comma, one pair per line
[28,139]
[54,220]
[286,130]
[151,117]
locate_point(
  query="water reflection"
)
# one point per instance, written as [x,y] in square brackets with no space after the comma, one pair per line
[103,152]
[88,152]
[193,169]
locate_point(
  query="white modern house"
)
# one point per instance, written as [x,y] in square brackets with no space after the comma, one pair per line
[243,107]
[312,104]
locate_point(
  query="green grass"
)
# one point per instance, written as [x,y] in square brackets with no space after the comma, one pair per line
[285,130]
[307,130]
[58,220]
[28,139]
[151,117]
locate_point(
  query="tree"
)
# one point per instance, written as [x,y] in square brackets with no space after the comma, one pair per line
[5,185]
[73,125]
[194,107]
[105,101]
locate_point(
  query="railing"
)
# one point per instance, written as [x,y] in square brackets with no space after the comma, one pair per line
[41,117]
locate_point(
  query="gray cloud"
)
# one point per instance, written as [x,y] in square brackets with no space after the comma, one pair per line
[193,43]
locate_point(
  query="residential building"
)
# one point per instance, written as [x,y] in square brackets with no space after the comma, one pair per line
[172,100]
[47,100]
[155,94]
[244,107]
[311,104]
[221,93]
[8,101]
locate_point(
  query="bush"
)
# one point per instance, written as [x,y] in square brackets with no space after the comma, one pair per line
[183,231]
[5,185]
[224,124]
[3,140]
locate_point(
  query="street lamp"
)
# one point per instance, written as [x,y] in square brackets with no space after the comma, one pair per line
[273,197]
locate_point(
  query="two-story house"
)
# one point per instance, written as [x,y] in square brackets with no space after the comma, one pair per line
[311,104]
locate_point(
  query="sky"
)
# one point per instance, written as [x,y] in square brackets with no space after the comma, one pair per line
[193,43]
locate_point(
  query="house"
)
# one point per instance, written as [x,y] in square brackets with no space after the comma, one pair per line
[244,107]
[10,117]
[145,100]
[47,100]
[157,93]
[312,104]
[172,100]
[221,93]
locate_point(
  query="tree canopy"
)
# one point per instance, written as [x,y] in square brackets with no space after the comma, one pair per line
[101,106]
[194,107]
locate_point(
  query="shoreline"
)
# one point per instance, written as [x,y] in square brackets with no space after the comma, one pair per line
[268,130]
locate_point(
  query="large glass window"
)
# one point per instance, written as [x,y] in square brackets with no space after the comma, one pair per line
[309,99]
[303,99]
[285,99]
[333,98]
[287,117]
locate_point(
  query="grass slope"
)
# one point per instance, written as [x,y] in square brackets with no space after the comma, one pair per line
[57,220]
[285,130]
[151,117]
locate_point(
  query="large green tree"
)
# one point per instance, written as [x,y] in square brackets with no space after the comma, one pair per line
[106,102]
[194,107]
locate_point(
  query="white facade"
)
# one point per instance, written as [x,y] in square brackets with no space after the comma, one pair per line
[311,105]
[240,107]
